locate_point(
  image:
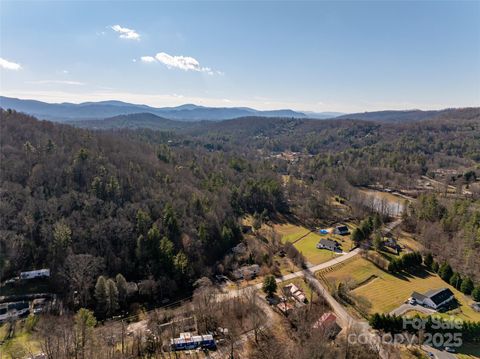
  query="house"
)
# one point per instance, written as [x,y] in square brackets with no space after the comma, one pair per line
[327,324]
[434,299]
[329,244]
[291,290]
[40,273]
[341,230]
[247,272]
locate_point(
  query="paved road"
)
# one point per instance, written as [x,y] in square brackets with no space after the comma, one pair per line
[345,319]
[298,274]
[438,354]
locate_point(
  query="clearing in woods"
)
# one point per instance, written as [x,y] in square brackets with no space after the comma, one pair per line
[305,241]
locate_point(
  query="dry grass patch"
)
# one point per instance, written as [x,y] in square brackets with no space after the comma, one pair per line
[406,240]
[385,292]
[356,269]
[290,232]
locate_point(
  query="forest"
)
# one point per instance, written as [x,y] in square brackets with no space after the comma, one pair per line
[157,210]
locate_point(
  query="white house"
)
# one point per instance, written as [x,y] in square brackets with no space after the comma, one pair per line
[434,298]
[291,290]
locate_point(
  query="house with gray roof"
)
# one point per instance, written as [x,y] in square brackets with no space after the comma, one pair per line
[329,244]
[434,299]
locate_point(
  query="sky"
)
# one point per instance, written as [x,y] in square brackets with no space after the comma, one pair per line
[310,56]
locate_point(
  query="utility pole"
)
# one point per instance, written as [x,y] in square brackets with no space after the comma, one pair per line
[123,338]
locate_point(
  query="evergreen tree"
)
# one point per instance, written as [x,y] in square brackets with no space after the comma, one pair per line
[170,223]
[101,297]
[445,272]
[476,293]
[455,280]
[467,286]
[153,239]
[375,321]
[165,255]
[122,290]
[428,260]
[269,285]
[435,267]
[84,323]
[357,236]
[112,297]
[143,222]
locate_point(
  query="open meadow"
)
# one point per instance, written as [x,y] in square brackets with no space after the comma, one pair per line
[385,292]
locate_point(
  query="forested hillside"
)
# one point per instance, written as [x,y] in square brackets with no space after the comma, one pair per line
[84,203]
[164,208]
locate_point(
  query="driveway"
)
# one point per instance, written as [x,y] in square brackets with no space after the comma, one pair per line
[439,354]
[406,307]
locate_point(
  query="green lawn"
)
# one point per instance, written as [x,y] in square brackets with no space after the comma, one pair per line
[290,232]
[386,292]
[305,241]
[21,344]
[307,246]
[356,269]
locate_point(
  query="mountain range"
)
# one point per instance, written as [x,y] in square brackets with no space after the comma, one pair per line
[64,112]
[118,114]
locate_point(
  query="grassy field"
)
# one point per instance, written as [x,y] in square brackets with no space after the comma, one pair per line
[307,246]
[305,241]
[406,240]
[386,292]
[356,269]
[20,345]
[290,232]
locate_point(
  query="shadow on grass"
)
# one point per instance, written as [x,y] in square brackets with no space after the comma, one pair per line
[418,272]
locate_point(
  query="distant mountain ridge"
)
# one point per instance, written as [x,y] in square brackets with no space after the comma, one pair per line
[118,114]
[406,116]
[133,121]
[64,112]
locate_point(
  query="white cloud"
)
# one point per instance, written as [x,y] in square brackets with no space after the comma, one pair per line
[126,33]
[8,65]
[56,82]
[185,63]
[147,59]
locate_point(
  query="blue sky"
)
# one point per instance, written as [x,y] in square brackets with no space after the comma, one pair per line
[318,56]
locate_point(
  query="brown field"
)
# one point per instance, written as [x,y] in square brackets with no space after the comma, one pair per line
[385,292]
